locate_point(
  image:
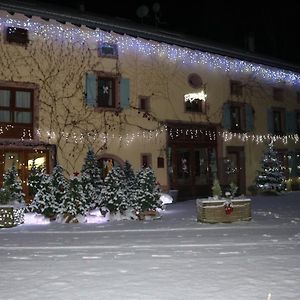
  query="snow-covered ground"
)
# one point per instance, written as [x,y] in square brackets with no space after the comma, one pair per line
[170,258]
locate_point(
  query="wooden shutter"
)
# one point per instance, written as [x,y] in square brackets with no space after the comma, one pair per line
[91,89]
[124,93]
[249,117]
[226,116]
[270,121]
[290,121]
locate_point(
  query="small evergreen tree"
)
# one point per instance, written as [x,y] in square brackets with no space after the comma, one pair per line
[131,183]
[146,195]
[35,178]
[44,200]
[59,184]
[271,177]
[216,188]
[74,201]
[113,194]
[91,179]
[12,185]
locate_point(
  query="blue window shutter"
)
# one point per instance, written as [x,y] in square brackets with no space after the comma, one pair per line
[124,93]
[270,121]
[249,117]
[91,89]
[290,121]
[226,116]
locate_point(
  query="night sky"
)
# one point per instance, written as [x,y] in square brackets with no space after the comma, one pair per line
[274,27]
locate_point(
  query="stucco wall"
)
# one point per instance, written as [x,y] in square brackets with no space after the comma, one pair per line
[58,66]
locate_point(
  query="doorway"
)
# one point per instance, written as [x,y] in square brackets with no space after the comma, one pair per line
[235,168]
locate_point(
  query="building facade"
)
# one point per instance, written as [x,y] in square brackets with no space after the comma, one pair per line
[190,113]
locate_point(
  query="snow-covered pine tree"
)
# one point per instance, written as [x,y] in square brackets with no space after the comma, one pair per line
[35,178]
[74,201]
[91,179]
[12,184]
[59,184]
[271,176]
[131,182]
[113,194]
[147,195]
[129,173]
[44,200]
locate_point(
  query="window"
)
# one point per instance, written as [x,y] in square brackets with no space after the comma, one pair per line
[278,121]
[144,103]
[107,91]
[17,35]
[160,162]
[16,112]
[278,94]
[196,105]
[109,50]
[146,160]
[238,116]
[236,88]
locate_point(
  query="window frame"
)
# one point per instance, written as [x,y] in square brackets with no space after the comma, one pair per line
[197,106]
[278,94]
[282,128]
[146,101]
[146,157]
[236,88]
[13,130]
[115,91]
[242,116]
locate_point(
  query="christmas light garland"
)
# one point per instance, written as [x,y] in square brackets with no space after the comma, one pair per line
[150,135]
[126,43]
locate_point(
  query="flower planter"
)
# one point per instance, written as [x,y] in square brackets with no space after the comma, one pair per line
[10,216]
[214,211]
[151,214]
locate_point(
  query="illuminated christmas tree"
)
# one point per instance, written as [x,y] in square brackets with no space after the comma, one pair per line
[271,177]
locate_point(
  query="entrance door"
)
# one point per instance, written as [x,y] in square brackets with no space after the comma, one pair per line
[193,169]
[22,160]
[235,170]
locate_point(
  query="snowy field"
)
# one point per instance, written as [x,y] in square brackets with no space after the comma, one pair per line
[170,258]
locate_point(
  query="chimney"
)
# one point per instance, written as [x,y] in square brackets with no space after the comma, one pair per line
[81,6]
[250,42]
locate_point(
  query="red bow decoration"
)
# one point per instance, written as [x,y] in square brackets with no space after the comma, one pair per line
[228,208]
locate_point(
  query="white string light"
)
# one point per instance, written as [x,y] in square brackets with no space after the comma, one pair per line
[126,44]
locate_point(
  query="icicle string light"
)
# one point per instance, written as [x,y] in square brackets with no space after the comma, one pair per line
[150,135]
[148,48]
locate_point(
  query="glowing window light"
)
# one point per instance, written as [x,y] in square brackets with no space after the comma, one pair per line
[39,162]
[147,48]
[195,96]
